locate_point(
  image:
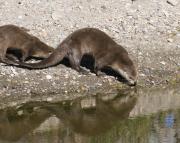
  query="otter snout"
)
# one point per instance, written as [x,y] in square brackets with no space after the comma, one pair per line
[132,80]
[132,83]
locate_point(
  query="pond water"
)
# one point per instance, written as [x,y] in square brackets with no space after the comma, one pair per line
[133,116]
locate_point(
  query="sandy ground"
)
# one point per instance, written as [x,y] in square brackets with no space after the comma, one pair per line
[148,29]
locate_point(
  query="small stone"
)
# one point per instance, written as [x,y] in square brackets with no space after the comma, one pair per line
[20,17]
[143,75]
[103,7]
[170,40]
[20,112]
[99,84]
[26,81]
[73,77]
[172,2]
[162,62]
[66,76]
[14,71]
[79,7]
[140,53]
[48,77]
[28,91]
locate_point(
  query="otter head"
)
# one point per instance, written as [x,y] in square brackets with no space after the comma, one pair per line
[126,68]
[42,50]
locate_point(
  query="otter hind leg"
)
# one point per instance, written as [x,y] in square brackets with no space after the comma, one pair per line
[75,61]
[98,65]
[3,58]
[12,57]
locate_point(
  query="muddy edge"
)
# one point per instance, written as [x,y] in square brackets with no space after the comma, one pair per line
[148,29]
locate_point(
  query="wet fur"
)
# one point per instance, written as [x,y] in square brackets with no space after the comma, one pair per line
[14,38]
[90,41]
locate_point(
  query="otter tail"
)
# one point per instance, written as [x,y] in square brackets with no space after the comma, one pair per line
[52,60]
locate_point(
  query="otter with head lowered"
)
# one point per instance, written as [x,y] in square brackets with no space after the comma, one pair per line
[90,41]
[14,38]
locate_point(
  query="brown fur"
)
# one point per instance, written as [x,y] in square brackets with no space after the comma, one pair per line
[17,38]
[90,41]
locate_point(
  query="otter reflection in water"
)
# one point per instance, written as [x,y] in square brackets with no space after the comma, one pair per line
[88,116]
[99,117]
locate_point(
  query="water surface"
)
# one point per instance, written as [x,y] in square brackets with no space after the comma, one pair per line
[131,116]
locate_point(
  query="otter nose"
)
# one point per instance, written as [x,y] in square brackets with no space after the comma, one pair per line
[132,83]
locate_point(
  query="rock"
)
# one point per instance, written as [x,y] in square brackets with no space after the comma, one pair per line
[162,62]
[80,7]
[20,17]
[103,7]
[170,40]
[14,71]
[172,2]
[48,77]
[20,113]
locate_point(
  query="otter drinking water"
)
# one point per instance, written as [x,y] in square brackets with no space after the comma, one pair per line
[90,41]
[14,38]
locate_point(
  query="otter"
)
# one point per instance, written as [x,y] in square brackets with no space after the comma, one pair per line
[91,41]
[14,38]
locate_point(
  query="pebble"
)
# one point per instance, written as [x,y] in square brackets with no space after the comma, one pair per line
[79,7]
[20,17]
[14,71]
[73,77]
[143,75]
[20,112]
[28,91]
[170,40]
[162,62]
[172,2]
[48,77]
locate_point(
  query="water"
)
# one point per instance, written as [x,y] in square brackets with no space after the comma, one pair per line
[143,116]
